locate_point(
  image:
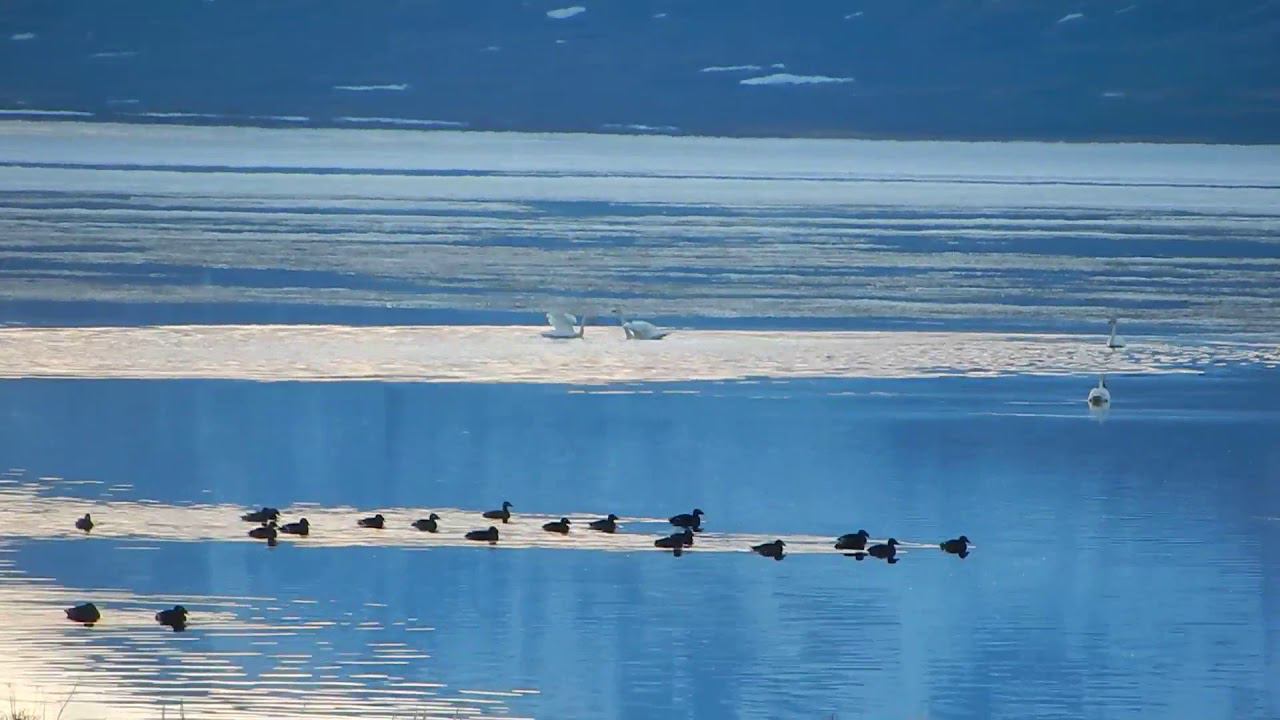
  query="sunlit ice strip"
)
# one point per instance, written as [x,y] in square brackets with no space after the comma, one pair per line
[515,354]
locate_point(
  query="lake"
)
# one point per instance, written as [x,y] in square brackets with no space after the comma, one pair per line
[899,337]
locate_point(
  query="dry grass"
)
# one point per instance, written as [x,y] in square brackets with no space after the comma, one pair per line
[16,713]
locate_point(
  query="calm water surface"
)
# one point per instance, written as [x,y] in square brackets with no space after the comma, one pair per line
[1113,576]
[207,321]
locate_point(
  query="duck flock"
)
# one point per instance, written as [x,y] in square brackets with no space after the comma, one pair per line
[565,326]
[269,528]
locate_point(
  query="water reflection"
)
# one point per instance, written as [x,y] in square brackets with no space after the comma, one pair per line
[1079,526]
[242,656]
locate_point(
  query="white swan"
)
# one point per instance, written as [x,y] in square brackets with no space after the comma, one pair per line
[1100,396]
[1115,342]
[640,329]
[562,326]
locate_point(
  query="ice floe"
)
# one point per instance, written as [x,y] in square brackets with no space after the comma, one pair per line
[389,87]
[400,121]
[792,79]
[565,13]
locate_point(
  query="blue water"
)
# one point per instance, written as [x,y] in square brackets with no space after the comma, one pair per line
[1123,562]
[1166,71]
[1122,568]
[126,224]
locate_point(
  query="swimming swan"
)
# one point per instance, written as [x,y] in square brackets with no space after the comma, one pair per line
[640,329]
[1115,342]
[562,326]
[1100,396]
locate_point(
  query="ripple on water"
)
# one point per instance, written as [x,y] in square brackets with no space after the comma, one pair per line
[128,666]
[239,656]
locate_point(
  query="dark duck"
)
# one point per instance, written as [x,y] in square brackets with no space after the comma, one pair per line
[85,523]
[504,514]
[559,526]
[853,541]
[302,527]
[175,618]
[692,521]
[490,536]
[427,524]
[770,549]
[266,532]
[675,542]
[886,551]
[606,525]
[261,516]
[956,546]
[86,614]
[376,522]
